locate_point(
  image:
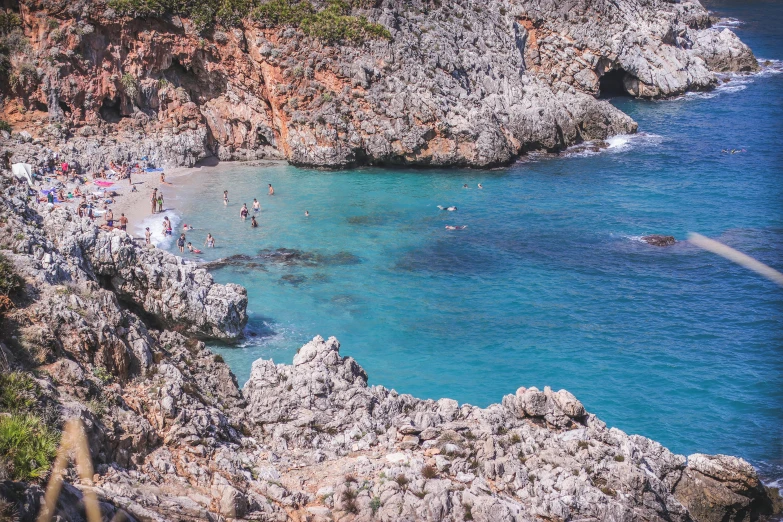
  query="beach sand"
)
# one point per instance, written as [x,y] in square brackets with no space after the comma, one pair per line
[136,205]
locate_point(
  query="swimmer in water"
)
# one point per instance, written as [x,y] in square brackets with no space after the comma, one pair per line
[454,227]
[256,205]
[465,185]
[450,209]
[271,190]
[479,186]
[225,197]
[307,214]
[193,250]
[253,222]
[243,212]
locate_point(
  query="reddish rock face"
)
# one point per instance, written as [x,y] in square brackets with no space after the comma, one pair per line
[454,85]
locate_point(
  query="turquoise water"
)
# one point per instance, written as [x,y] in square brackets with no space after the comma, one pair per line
[549,284]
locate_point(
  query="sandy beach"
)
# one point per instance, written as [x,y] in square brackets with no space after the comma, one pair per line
[136,205]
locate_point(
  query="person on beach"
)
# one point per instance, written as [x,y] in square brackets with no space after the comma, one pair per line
[160,201]
[90,213]
[148,235]
[271,190]
[256,205]
[123,222]
[163,177]
[154,200]
[253,222]
[181,243]
[130,182]
[210,242]
[109,218]
[243,211]
[225,197]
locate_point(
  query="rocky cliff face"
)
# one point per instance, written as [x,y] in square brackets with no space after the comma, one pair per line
[110,329]
[459,83]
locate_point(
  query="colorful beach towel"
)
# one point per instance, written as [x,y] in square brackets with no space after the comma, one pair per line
[102,183]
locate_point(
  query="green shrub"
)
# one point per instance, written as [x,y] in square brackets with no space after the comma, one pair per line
[57,35]
[375,504]
[332,24]
[27,445]
[10,282]
[16,392]
[128,82]
[5,126]
[9,21]
[619,458]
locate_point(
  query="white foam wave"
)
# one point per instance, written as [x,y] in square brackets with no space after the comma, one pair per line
[728,23]
[623,142]
[155,223]
[613,144]
[736,82]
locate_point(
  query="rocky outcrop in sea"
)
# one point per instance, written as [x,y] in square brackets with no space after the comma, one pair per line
[107,330]
[457,83]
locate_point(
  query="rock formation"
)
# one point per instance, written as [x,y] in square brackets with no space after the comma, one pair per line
[659,240]
[111,330]
[458,83]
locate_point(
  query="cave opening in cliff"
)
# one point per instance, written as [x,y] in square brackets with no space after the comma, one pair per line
[110,110]
[611,84]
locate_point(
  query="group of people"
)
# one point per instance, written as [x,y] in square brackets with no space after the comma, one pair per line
[156,200]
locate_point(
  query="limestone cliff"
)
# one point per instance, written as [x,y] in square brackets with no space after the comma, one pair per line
[105,330]
[458,83]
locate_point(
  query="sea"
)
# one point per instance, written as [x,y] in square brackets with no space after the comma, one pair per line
[549,284]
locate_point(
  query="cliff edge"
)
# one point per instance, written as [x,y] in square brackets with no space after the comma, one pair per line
[434,83]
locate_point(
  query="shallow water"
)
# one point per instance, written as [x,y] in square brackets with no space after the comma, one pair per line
[549,284]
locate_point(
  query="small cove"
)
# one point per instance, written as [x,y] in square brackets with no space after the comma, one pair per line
[549,284]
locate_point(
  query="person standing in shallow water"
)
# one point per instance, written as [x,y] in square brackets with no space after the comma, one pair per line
[271,190]
[148,235]
[253,222]
[210,242]
[160,202]
[243,212]
[181,243]
[225,197]
[256,205]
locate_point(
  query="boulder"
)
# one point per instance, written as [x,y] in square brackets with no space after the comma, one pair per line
[659,240]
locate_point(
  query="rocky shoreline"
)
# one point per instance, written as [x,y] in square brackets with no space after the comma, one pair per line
[108,331]
[455,84]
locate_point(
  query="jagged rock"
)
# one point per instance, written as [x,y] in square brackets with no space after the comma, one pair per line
[454,86]
[161,284]
[173,438]
[659,240]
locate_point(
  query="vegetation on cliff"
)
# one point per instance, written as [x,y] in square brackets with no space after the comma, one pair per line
[333,23]
[27,443]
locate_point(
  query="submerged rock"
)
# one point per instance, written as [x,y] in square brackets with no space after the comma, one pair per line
[659,240]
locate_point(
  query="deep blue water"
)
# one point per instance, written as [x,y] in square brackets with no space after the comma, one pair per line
[549,284]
